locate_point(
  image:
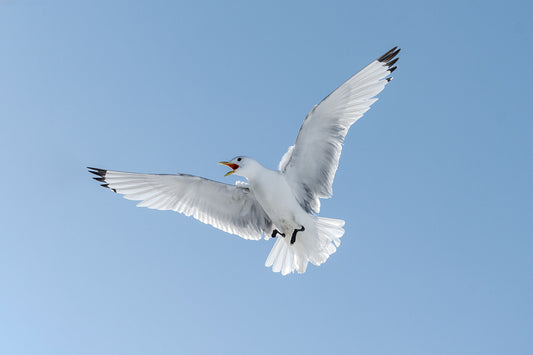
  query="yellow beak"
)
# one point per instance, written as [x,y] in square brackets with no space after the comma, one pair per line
[230,165]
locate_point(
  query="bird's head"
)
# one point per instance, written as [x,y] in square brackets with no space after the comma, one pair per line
[239,165]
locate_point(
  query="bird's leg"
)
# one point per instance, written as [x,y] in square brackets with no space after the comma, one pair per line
[275,232]
[293,237]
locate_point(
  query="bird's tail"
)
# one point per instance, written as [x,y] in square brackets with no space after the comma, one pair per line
[314,245]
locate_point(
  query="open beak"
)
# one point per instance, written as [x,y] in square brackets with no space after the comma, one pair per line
[231,165]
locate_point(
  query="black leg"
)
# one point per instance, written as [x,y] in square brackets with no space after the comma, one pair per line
[293,237]
[275,232]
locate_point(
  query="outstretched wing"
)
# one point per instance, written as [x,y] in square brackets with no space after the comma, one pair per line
[310,164]
[232,209]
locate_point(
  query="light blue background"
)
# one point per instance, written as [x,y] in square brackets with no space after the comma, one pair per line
[434,181]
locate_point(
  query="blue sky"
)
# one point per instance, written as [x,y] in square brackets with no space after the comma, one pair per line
[434,181]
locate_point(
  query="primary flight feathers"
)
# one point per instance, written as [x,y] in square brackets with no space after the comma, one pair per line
[280,203]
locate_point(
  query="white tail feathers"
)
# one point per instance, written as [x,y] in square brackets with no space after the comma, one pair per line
[314,245]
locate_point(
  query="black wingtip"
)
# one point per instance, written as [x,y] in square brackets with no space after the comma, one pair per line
[101,173]
[388,57]
[96,171]
[392,62]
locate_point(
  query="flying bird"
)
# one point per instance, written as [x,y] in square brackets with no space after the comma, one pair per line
[281,203]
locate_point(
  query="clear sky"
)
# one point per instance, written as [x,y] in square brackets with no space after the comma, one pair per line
[435,181]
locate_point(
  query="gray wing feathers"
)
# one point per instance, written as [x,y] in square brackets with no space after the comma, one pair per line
[310,165]
[232,209]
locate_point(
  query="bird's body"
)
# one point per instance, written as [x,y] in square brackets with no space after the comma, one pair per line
[276,197]
[279,204]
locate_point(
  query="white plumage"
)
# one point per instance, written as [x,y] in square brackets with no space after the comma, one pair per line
[282,203]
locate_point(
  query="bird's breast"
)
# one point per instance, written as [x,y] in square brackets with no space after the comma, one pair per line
[277,199]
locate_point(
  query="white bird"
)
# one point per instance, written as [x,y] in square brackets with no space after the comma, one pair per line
[281,203]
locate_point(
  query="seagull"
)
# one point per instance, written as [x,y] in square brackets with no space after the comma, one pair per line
[283,203]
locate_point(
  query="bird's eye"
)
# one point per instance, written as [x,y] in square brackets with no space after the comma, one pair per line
[239,159]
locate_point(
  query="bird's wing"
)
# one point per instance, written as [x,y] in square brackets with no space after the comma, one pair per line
[310,164]
[232,209]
